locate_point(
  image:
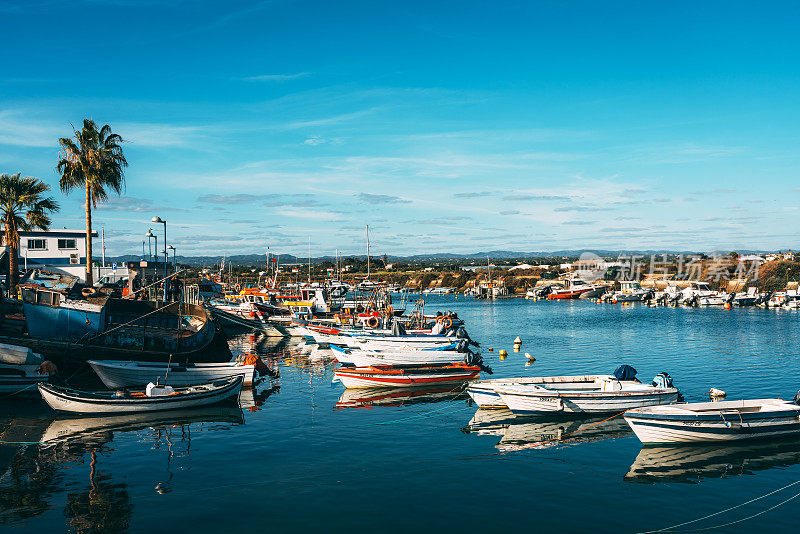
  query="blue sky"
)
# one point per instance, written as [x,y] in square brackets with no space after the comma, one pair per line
[445,126]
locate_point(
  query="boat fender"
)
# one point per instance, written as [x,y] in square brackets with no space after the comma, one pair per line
[47,368]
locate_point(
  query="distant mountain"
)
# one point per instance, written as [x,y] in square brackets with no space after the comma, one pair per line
[477,257]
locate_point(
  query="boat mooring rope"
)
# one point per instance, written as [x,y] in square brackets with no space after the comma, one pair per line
[670,529]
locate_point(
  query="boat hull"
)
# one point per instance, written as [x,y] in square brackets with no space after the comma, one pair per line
[121,374]
[81,402]
[361,377]
[659,429]
[531,403]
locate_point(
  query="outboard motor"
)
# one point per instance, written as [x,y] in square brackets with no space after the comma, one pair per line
[461,333]
[662,380]
[797,398]
[625,372]
[463,346]
[397,328]
[475,359]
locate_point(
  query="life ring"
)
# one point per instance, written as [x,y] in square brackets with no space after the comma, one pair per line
[237,287]
[88,291]
[372,322]
[447,322]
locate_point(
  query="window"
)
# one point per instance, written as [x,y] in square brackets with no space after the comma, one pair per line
[37,244]
[66,244]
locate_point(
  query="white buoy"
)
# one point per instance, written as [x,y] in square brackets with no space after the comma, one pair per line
[518,341]
[530,358]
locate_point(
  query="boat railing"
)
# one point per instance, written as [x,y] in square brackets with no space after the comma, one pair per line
[191,295]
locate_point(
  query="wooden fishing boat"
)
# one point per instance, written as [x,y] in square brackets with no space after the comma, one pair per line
[122,374]
[250,318]
[382,376]
[117,329]
[159,398]
[715,421]
[604,395]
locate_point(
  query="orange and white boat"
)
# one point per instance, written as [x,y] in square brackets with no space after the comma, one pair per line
[388,376]
[575,288]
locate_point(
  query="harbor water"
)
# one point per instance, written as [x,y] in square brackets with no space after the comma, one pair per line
[304,455]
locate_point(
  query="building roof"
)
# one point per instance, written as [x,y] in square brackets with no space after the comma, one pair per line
[57,232]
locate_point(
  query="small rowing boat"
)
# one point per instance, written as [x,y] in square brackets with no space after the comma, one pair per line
[153,398]
[382,376]
[715,421]
[122,374]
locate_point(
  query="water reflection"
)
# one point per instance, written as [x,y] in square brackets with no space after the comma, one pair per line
[39,450]
[100,430]
[372,398]
[519,433]
[691,463]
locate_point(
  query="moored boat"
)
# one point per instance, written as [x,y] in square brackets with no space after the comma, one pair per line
[715,421]
[602,395]
[21,369]
[430,356]
[121,374]
[378,376]
[154,398]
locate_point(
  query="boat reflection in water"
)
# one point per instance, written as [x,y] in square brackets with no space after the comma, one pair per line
[690,463]
[100,430]
[37,451]
[372,398]
[519,432]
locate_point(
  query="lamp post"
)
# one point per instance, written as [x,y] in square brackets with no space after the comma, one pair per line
[166,257]
[150,235]
[143,256]
[174,261]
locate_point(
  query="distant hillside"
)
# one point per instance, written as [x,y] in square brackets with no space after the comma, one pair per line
[477,257]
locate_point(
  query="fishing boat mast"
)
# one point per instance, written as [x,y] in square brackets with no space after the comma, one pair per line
[368,252]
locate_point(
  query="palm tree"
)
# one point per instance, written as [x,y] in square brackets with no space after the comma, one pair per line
[93,162]
[22,208]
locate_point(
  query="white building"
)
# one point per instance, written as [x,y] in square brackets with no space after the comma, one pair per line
[57,250]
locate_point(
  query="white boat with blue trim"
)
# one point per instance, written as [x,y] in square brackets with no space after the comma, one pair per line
[705,422]
[588,394]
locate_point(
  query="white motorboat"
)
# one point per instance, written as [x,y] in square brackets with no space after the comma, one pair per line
[21,369]
[485,395]
[153,398]
[363,358]
[122,374]
[747,298]
[602,395]
[715,421]
[631,291]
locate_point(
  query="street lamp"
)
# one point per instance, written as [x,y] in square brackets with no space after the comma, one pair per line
[166,258]
[150,235]
[174,261]
[143,256]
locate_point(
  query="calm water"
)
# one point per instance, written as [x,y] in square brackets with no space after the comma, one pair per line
[303,455]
